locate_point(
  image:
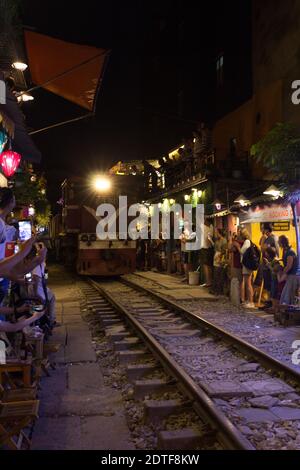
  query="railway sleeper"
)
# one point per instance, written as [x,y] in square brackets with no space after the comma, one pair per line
[156,410]
[181,439]
[109,322]
[125,357]
[138,371]
[126,344]
[117,336]
[148,386]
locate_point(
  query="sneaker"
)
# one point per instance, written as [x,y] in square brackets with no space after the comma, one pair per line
[249,305]
[203,285]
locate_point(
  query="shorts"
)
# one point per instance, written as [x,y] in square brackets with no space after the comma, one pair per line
[207,256]
[185,257]
[246,271]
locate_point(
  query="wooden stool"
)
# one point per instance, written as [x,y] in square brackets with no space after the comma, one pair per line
[12,366]
[14,417]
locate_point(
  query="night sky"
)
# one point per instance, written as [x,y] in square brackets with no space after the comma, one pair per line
[139,112]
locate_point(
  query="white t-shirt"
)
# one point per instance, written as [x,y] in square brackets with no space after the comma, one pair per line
[39,270]
[207,233]
[244,248]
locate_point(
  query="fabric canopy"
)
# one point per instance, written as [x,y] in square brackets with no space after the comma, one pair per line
[69,70]
[13,122]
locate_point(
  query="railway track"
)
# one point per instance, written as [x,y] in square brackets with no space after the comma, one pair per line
[239,402]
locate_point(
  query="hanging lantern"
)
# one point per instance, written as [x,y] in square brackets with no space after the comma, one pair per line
[10,161]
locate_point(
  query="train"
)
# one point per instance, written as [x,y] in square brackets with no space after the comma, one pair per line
[73,230]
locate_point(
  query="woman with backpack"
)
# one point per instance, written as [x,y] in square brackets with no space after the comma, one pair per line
[246,287]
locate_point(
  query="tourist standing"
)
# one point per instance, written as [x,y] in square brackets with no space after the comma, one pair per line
[207,253]
[290,263]
[219,262]
[246,287]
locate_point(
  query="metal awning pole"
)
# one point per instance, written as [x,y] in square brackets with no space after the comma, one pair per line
[69,121]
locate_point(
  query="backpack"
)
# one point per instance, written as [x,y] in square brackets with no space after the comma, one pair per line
[251,257]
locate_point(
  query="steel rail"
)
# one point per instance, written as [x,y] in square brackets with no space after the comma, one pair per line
[225,430]
[244,346]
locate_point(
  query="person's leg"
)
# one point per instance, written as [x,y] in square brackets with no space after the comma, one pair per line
[249,288]
[243,284]
[206,273]
[51,307]
[209,275]
[290,290]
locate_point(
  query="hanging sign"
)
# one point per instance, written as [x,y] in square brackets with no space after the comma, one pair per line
[272,214]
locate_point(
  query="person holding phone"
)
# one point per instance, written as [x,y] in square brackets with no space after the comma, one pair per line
[15,266]
[7,204]
[8,327]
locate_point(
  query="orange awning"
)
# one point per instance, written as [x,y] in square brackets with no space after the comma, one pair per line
[69,70]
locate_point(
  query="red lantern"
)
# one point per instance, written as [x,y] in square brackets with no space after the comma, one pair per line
[9,161]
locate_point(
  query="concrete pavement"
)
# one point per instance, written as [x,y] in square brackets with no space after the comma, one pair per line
[77,410]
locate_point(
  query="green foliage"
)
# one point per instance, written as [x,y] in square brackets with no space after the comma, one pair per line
[27,191]
[43,213]
[279,150]
[30,189]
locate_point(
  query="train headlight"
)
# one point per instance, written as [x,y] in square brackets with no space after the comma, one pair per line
[101,184]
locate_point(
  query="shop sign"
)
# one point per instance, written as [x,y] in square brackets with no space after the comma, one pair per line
[279,226]
[267,214]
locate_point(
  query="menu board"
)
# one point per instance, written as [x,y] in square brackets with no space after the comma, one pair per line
[279,226]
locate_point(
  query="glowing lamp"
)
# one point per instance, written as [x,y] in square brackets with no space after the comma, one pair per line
[217,204]
[200,193]
[20,66]
[102,184]
[31,211]
[9,161]
[187,197]
[172,201]
[273,191]
[242,200]
[25,97]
